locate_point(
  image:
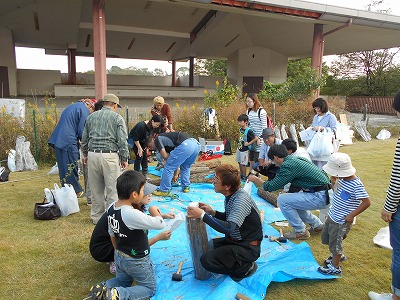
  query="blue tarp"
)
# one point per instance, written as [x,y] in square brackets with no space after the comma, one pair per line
[276,263]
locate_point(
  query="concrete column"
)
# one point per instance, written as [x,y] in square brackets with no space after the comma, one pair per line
[191,71]
[99,48]
[8,64]
[317,47]
[174,73]
[72,66]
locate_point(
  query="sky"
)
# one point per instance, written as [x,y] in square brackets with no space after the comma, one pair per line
[83,64]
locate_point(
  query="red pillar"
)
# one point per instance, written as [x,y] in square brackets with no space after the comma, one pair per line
[71,66]
[173,73]
[317,47]
[99,48]
[191,71]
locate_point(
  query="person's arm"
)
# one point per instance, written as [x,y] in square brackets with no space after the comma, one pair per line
[168,113]
[164,154]
[162,236]
[84,113]
[139,148]
[392,199]
[366,202]
[114,242]
[263,117]
[122,141]
[219,225]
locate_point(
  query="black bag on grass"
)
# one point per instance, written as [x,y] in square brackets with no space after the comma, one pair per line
[46,211]
[4,174]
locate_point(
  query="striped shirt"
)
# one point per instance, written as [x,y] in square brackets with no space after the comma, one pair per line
[300,172]
[393,195]
[348,196]
[105,130]
[257,123]
[241,209]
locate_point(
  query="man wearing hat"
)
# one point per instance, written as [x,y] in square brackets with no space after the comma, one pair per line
[264,166]
[105,147]
[65,140]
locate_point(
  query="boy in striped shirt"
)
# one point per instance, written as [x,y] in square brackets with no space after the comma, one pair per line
[350,199]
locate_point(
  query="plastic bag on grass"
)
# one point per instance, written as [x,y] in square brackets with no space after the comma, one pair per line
[11,161]
[66,199]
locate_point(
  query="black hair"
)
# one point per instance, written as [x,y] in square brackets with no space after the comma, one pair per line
[290,144]
[157,119]
[98,105]
[243,117]
[396,102]
[128,182]
[277,150]
[321,103]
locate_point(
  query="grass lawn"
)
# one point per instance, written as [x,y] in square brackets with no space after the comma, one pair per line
[51,260]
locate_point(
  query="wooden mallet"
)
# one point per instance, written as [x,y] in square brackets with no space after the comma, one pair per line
[178,276]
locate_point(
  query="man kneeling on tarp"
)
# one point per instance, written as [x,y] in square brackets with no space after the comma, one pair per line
[236,253]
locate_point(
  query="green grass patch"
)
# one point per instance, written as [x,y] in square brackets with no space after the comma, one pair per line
[51,259]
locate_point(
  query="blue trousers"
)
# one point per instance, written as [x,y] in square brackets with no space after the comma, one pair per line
[182,156]
[128,269]
[67,161]
[394,228]
[296,207]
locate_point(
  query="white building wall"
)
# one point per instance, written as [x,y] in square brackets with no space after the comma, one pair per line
[257,61]
[37,82]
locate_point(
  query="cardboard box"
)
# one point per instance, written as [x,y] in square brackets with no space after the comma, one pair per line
[217,147]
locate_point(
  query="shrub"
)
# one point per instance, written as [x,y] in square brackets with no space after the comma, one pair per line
[37,128]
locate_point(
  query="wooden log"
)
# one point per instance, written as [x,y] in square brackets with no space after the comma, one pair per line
[194,178]
[199,169]
[212,164]
[198,240]
[270,197]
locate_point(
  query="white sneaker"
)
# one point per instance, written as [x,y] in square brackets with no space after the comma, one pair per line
[382,296]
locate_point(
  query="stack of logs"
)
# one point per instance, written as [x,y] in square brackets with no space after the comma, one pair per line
[198,171]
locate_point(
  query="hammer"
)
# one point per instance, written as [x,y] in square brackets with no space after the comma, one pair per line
[178,276]
[275,239]
[281,238]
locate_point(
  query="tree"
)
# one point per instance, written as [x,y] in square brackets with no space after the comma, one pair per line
[182,71]
[159,72]
[210,67]
[371,65]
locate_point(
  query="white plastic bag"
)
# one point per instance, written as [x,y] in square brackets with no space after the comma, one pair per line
[66,199]
[384,134]
[53,170]
[248,187]
[306,135]
[11,161]
[321,144]
[382,238]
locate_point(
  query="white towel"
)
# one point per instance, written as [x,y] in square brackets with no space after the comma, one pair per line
[211,115]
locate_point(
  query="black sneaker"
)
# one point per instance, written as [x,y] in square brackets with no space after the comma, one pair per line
[329,259]
[330,270]
[97,292]
[250,272]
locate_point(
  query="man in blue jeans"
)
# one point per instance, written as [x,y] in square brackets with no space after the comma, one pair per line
[179,150]
[309,190]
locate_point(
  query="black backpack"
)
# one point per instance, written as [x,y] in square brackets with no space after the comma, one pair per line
[227,147]
[4,174]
